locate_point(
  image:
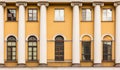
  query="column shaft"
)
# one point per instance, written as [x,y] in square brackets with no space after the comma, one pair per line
[43,39]
[1,34]
[76,34]
[117,54]
[97,35]
[21,35]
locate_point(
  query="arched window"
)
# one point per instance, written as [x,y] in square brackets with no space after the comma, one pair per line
[11,48]
[107,48]
[59,48]
[86,48]
[32,48]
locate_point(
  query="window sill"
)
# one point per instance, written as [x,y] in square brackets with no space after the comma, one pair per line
[34,61]
[11,61]
[86,21]
[108,21]
[32,21]
[59,21]
[11,21]
[60,61]
[86,61]
[107,60]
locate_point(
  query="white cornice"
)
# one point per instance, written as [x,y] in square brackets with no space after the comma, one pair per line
[61,0]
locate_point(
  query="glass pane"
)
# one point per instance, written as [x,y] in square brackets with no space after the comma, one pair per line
[34,58]
[109,57]
[13,53]
[61,15]
[30,48]
[56,14]
[83,15]
[9,49]
[13,49]
[107,50]
[9,44]
[11,14]
[107,14]
[88,14]
[30,44]
[34,49]
[30,11]
[30,53]
[13,57]
[35,11]
[13,43]
[34,44]
[9,53]
[86,50]
[30,58]
[34,16]
[34,53]
[8,57]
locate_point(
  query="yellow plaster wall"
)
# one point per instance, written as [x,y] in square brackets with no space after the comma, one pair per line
[64,28]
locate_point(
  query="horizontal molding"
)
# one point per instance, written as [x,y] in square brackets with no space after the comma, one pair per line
[61,0]
[64,40]
[59,61]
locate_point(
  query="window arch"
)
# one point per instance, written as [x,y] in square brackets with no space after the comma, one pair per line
[11,48]
[59,48]
[32,48]
[86,48]
[107,48]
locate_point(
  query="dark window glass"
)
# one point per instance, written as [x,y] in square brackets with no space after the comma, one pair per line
[107,50]
[11,15]
[86,50]
[59,48]
[32,48]
[11,48]
[32,15]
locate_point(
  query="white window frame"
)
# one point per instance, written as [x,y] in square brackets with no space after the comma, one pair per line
[85,17]
[59,14]
[105,14]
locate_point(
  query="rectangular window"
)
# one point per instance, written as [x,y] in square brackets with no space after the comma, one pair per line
[11,14]
[86,50]
[107,15]
[59,14]
[32,14]
[86,15]
[107,50]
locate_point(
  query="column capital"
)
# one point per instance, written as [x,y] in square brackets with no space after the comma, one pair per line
[98,3]
[43,3]
[78,3]
[2,3]
[117,3]
[24,3]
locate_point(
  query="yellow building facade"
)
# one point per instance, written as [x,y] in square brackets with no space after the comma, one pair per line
[94,24]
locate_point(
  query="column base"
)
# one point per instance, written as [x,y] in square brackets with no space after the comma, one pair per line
[2,65]
[43,65]
[21,65]
[75,65]
[97,65]
[117,65]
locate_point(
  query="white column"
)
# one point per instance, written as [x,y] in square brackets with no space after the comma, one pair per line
[21,34]
[76,35]
[43,33]
[2,33]
[97,34]
[117,53]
